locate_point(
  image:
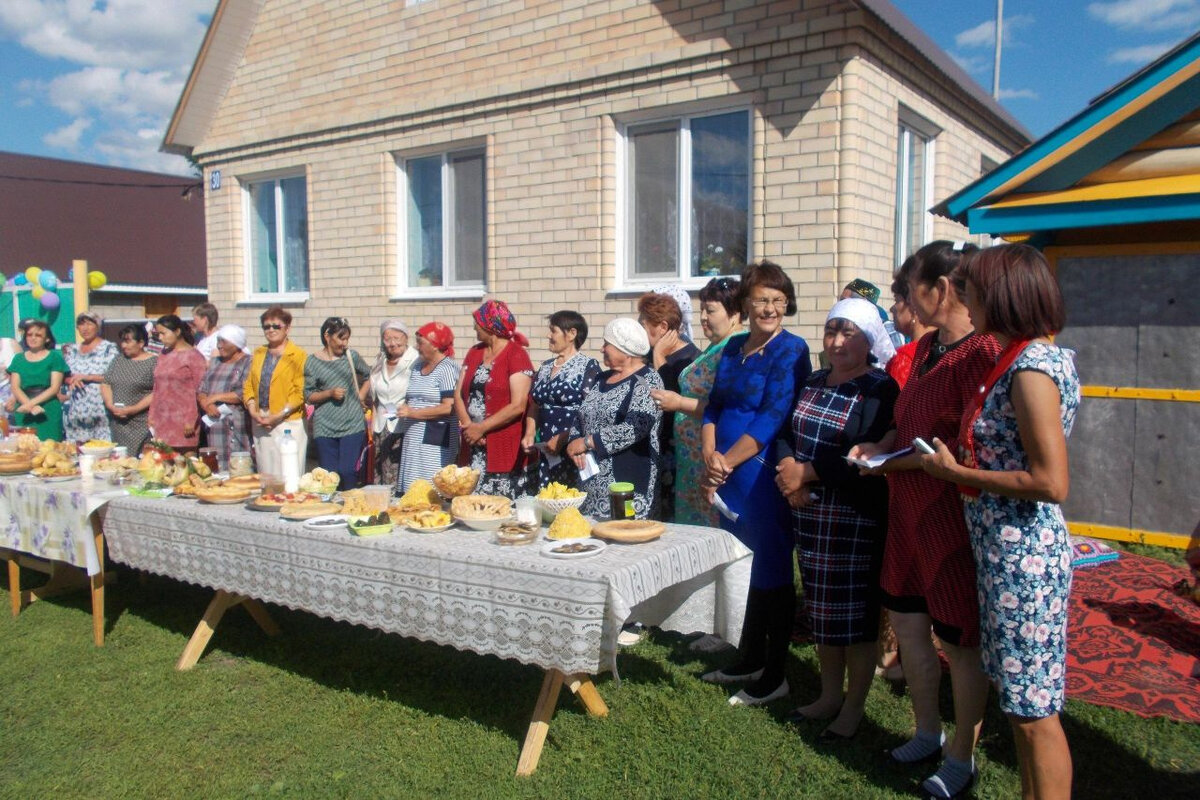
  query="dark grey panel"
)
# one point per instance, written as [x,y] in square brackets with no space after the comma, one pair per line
[1101,452]
[1166,479]
[1104,355]
[1168,356]
[1098,291]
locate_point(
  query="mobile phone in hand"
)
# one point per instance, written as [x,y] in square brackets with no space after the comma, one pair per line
[923,446]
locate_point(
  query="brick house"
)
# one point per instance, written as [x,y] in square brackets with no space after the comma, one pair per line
[404,159]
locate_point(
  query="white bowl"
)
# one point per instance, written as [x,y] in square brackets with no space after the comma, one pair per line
[551,507]
[98,452]
[490,524]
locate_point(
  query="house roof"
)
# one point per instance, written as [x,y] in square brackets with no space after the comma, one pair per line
[233,22]
[139,228]
[1131,156]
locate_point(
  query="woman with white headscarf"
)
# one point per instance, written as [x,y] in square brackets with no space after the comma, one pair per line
[220,394]
[618,424]
[840,515]
[389,385]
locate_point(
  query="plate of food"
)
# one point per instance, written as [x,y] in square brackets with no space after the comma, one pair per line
[57,477]
[427,520]
[573,548]
[305,511]
[15,463]
[374,525]
[516,533]
[221,495]
[273,501]
[97,447]
[149,491]
[453,481]
[327,522]
[629,531]
[482,512]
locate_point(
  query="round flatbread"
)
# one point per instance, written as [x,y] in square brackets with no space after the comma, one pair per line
[629,531]
[308,510]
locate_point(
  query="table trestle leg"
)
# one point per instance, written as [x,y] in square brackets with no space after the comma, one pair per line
[535,738]
[222,601]
[583,688]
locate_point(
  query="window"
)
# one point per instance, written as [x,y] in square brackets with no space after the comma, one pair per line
[687,197]
[914,183]
[442,219]
[277,236]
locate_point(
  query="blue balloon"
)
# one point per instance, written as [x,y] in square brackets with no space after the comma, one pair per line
[20,280]
[48,280]
[70,273]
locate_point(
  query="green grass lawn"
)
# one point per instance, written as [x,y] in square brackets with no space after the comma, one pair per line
[333,710]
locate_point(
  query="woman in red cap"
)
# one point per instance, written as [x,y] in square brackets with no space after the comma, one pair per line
[426,420]
[491,398]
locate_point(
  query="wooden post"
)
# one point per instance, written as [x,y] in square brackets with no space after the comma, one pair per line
[535,738]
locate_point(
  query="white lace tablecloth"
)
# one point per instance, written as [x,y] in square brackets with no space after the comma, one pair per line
[53,519]
[455,588]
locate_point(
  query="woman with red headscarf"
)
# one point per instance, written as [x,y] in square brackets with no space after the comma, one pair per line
[491,398]
[426,420]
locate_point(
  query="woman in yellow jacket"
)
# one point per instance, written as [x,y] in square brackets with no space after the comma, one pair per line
[274,393]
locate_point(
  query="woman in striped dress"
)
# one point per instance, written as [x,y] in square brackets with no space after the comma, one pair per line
[336,383]
[427,416]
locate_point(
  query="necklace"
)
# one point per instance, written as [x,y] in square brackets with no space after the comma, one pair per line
[758,349]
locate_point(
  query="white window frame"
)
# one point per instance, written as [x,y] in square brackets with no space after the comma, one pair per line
[913,130]
[626,281]
[251,290]
[405,290]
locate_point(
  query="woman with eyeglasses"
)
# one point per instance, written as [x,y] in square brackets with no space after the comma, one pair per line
[491,398]
[751,400]
[336,384]
[84,416]
[36,376]
[670,354]
[389,386]
[174,411]
[720,318]
[128,389]
[274,393]
[427,420]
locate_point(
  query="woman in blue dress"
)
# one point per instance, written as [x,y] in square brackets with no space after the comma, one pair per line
[751,401]
[1012,473]
[558,391]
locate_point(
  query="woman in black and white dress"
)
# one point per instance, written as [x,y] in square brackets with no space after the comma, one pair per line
[619,423]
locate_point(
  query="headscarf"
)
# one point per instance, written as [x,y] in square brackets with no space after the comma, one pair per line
[680,296]
[438,335]
[235,335]
[89,314]
[864,289]
[495,318]
[384,327]
[864,316]
[627,336]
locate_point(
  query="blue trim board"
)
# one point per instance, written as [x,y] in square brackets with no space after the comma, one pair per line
[957,204]
[1097,213]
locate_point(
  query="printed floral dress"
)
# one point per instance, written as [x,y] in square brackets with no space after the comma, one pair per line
[558,396]
[84,414]
[1022,552]
[696,381]
[506,484]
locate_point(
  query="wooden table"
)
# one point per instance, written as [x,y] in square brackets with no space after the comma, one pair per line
[456,588]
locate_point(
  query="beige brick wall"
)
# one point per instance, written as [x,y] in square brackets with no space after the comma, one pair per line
[544,85]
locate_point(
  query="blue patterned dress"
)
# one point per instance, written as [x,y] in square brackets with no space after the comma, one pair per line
[755,395]
[558,396]
[1022,552]
[84,414]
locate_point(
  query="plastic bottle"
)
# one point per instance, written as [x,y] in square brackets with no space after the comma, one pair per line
[289,456]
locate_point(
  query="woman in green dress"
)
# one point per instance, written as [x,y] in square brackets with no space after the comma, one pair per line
[36,376]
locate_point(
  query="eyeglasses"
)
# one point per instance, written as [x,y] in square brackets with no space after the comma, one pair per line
[761,303]
[272,326]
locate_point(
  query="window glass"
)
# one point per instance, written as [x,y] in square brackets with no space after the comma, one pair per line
[467,175]
[277,231]
[720,194]
[654,209]
[445,220]
[425,221]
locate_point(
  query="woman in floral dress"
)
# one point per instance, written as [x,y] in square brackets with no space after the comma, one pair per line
[557,393]
[128,389]
[84,417]
[720,318]
[222,385]
[1013,475]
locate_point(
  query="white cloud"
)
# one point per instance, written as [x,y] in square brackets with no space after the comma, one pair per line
[67,137]
[972,65]
[1148,15]
[1018,94]
[984,34]
[1138,55]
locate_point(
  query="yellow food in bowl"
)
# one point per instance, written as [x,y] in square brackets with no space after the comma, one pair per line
[557,491]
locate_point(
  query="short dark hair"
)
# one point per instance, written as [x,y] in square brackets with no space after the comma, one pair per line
[771,276]
[135,331]
[900,279]
[938,259]
[276,312]
[51,342]
[656,308]
[173,323]
[208,311]
[1019,294]
[332,326]
[567,320]
[723,291]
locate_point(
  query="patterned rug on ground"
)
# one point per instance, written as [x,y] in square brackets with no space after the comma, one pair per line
[1134,644]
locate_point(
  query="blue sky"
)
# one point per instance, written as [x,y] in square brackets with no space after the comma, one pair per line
[96,81]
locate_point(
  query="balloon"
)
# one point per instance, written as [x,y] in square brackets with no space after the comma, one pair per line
[38,291]
[31,274]
[70,273]
[50,301]
[3,280]
[48,280]
[97,280]
[20,280]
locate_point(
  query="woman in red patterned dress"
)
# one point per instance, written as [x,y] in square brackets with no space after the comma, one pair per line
[928,578]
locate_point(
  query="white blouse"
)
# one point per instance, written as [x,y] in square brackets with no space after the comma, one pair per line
[390,385]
